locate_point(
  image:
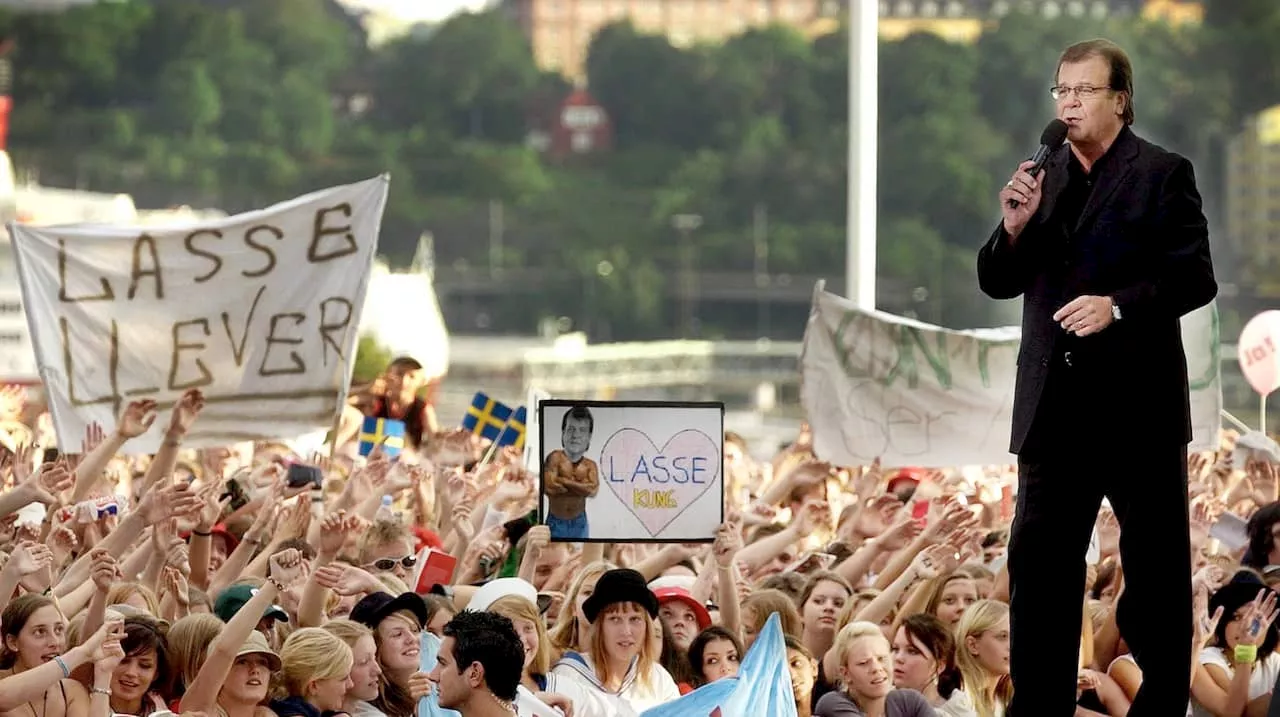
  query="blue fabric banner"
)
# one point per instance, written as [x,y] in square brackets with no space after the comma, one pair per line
[762,687]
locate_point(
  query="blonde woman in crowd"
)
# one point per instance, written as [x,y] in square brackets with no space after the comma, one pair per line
[315,674]
[366,673]
[866,678]
[759,605]
[982,655]
[572,626]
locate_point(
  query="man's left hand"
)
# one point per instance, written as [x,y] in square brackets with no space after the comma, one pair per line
[1086,315]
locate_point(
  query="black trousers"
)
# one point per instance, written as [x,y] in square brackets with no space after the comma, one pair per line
[1060,490]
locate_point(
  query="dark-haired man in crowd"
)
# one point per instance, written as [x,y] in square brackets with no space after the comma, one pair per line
[479,665]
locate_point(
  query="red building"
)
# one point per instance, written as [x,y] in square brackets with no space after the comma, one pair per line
[580,126]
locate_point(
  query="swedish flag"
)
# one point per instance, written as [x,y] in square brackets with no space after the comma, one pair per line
[513,433]
[486,417]
[387,431]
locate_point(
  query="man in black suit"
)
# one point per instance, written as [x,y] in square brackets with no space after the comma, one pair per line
[1108,247]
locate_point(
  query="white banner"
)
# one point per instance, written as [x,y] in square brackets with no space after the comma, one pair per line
[259,311]
[914,394]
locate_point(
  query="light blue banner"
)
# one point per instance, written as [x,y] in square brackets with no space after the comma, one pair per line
[429,706]
[762,687]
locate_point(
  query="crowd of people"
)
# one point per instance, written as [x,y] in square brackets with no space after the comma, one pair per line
[140,585]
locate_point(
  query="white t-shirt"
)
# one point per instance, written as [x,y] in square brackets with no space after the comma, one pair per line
[959,705]
[635,697]
[1261,682]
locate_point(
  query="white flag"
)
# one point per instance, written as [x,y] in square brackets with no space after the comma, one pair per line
[259,311]
[914,394]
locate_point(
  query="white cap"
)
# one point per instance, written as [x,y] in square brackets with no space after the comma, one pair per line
[490,592]
[673,581]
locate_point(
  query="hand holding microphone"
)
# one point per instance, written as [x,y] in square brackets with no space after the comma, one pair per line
[1020,197]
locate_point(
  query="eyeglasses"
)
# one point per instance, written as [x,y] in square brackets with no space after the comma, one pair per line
[1084,92]
[388,564]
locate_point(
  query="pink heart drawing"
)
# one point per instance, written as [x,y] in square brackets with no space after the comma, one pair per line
[657,485]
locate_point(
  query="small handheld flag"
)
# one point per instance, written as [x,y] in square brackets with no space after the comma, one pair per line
[387,431]
[486,417]
[513,433]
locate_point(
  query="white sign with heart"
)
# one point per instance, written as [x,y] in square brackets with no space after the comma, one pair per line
[631,471]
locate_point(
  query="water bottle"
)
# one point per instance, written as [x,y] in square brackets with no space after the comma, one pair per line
[386,512]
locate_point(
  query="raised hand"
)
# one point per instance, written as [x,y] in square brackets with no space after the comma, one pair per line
[178,557]
[62,542]
[1262,473]
[136,419]
[169,501]
[212,506]
[185,412]
[462,524]
[536,540]
[419,686]
[29,558]
[1201,523]
[103,569]
[1206,625]
[1259,616]
[295,520]
[175,583]
[345,580]
[334,531]
[1108,533]
[813,516]
[727,544]
[1211,577]
[288,567]
[107,652]
[93,437]
[934,561]
[51,480]
[898,535]
[868,484]
[516,485]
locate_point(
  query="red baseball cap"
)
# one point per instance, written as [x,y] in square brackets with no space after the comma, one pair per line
[905,476]
[665,595]
[220,530]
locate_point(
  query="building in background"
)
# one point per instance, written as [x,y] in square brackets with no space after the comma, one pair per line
[560,31]
[1253,202]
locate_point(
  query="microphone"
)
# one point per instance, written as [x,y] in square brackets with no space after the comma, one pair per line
[1054,134]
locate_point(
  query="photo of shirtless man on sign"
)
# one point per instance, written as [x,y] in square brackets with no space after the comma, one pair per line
[569,477]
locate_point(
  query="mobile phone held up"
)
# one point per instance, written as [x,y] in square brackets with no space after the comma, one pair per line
[301,474]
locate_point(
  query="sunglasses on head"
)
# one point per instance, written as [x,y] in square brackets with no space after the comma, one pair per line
[386,564]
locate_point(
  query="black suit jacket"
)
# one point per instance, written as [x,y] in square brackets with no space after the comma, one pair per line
[1141,239]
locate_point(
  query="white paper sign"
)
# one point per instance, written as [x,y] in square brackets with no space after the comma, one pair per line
[258,311]
[631,471]
[910,393]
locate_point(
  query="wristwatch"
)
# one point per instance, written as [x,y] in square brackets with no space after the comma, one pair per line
[1115,310]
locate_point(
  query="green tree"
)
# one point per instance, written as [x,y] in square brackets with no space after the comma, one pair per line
[372,358]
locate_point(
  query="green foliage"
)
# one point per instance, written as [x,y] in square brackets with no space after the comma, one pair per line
[372,358]
[240,103]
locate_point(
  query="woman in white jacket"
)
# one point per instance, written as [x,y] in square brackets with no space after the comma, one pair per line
[619,671]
